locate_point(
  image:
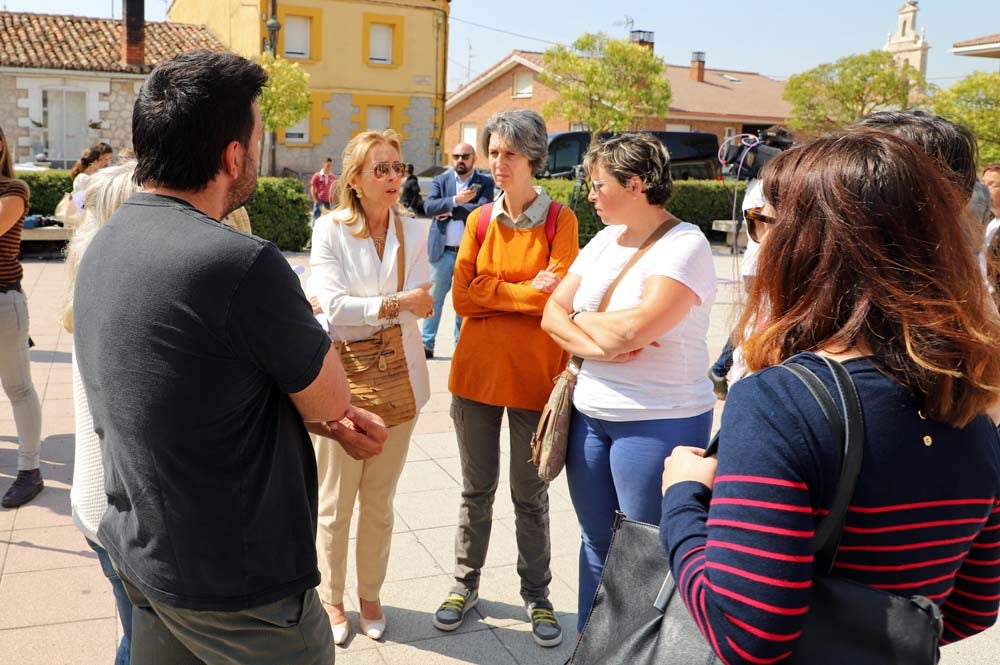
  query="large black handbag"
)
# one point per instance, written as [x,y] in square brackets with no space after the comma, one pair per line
[637,621]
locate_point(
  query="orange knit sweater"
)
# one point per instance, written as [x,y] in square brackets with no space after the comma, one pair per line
[504,358]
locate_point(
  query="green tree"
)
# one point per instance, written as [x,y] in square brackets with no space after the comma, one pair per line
[975,102]
[835,95]
[607,84]
[285,99]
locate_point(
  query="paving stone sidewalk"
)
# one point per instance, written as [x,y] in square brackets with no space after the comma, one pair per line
[56,607]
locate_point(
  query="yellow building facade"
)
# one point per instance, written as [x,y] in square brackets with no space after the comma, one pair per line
[372,64]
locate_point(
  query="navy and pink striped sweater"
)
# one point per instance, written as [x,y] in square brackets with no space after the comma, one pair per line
[925,519]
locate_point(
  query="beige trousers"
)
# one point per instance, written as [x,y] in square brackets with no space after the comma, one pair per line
[342,479]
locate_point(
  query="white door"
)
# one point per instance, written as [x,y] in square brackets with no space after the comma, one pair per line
[64,114]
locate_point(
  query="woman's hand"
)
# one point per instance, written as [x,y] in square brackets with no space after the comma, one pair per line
[418,301]
[314,301]
[546,281]
[688,463]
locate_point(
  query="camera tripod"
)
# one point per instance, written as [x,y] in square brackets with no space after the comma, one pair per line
[581,188]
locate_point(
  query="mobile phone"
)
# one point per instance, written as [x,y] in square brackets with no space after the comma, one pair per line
[475,186]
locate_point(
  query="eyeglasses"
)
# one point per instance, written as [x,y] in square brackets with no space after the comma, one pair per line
[754,216]
[381,169]
[462,157]
[597,184]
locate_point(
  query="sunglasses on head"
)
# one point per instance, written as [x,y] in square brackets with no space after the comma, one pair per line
[381,169]
[461,157]
[754,216]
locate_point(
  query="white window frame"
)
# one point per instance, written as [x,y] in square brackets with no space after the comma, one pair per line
[677,127]
[380,40]
[299,132]
[468,133]
[730,132]
[523,80]
[298,33]
[578,127]
[379,107]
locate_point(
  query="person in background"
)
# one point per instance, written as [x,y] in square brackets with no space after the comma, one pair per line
[355,273]
[106,192]
[454,194]
[320,188]
[897,305]
[411,198]
[991,178]
[641,391]
[15,363]
[90,161]
[107,154]
[505,362]
[205,370]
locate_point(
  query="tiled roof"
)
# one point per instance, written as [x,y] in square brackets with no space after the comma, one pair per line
[723,92]
[56,41]
[978,41]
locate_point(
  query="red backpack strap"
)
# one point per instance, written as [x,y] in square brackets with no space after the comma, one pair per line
[550,220]
[485,213]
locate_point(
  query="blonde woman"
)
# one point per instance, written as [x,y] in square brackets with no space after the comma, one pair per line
[15,364]
[105,193]
[354,277]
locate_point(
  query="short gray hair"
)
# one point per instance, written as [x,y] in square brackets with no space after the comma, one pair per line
[524,131]
[634,154]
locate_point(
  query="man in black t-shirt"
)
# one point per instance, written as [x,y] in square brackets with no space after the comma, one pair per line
[204,368]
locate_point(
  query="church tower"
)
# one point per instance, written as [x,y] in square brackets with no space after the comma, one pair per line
[908,45]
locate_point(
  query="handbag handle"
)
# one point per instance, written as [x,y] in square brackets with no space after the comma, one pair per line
[400,254]
[848,427]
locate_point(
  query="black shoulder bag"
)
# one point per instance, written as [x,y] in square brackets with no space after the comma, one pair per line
[848,623]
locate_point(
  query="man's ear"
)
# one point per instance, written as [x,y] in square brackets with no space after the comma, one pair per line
[231,159]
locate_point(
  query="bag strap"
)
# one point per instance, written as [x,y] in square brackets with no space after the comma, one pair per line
[485,214]
[400,254]
[646,245]
[848,427]
[550,221]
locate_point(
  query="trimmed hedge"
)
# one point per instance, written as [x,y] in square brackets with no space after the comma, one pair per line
[697,201]
[47,189]
[279,212]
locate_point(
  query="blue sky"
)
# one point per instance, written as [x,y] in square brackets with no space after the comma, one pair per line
[774,37]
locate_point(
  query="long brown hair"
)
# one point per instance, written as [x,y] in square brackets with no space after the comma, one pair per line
[89,156]
[6,158]
[868,250]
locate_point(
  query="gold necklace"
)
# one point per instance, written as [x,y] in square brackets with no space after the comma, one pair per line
[379,244]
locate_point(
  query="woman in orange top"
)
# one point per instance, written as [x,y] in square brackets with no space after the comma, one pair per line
[504,360]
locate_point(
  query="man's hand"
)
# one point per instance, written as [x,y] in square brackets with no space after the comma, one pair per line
[466,195]
[361,433]
[546,281]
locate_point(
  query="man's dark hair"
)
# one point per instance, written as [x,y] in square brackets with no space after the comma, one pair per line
[952,145]
[188,110]
[328,160]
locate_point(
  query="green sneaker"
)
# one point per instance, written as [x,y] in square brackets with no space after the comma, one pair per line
[449,616]
[544,625]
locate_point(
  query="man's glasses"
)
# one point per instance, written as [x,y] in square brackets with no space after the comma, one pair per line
[461,157]
[381,169]
[754,216]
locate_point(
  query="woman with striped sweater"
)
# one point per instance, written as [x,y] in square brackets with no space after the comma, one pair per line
[864,260]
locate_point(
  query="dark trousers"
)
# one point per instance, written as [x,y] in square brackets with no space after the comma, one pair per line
[725,360]
[477,426]
[291,631]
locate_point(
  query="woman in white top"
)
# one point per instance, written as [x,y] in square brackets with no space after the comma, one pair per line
[90,161]
[642,388]
[105,193]
[354,277]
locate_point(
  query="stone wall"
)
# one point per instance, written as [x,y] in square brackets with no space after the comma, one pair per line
[418,148]
[9,114]
[117,118]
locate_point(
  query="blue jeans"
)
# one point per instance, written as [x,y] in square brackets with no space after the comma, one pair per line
[725,360]
[121,600]
[318,209]
[613,466]
[442,272]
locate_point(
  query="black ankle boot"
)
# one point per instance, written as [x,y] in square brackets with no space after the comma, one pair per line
[26,487]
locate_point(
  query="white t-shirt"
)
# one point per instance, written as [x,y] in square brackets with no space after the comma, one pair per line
[668,381]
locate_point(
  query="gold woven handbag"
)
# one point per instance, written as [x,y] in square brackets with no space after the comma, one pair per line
[376,366]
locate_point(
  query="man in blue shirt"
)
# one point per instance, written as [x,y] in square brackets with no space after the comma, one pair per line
[454,194]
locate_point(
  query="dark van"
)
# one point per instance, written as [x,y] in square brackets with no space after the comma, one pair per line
[693,155]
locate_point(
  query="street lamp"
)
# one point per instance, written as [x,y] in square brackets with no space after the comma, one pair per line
[273,26]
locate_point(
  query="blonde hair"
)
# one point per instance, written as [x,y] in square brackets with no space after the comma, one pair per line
[106,191]
[355,153]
